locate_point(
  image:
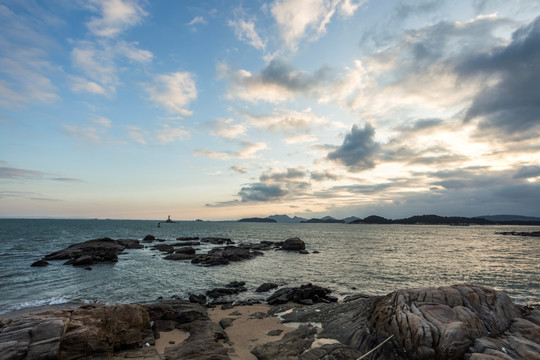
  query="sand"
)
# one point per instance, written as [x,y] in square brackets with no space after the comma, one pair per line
[249,328]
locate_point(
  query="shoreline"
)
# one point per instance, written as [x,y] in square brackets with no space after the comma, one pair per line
[348,329]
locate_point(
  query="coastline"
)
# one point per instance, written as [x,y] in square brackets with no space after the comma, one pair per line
[348,329]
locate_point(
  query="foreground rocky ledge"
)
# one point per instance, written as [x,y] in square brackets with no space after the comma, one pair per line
[453,322]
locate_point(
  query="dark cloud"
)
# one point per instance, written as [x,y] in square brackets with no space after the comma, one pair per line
[20,174]
[262,192]
[290,174]
[420,125]
[241,169]
[280,73]
[323,176]
[527,172]
[438,160]
[358,149]
[511,107]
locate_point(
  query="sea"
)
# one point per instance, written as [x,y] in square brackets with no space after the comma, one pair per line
[369,259]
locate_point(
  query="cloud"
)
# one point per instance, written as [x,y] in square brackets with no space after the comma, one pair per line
[25,194]
[103,121]
[527,172]
[287,120]
[173,91]
[137,134]
[239,168]
[20,174]
[227,129]
[247,150]
[197,20]
[323,176]
[10,173]
[298,19]
[262,192]
[291,174]
[278,81]
[168,134]
[25,69]
[98,61]
[115,16]
[245,31]
[89,133]
[358,149]
[510,107]
[79,85]
[421,125]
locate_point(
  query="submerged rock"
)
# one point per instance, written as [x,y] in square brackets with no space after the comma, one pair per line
[224,255]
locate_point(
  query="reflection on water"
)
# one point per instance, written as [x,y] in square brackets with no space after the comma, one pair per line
[374,259]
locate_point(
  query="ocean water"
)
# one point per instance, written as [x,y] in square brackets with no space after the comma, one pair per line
[372,259]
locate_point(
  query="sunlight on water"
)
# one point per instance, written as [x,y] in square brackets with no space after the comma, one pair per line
[372,259]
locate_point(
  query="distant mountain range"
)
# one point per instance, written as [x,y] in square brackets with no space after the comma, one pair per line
[417,219]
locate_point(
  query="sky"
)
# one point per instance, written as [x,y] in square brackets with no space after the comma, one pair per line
[216,110]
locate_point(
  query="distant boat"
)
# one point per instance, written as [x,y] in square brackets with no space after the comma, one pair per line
[169,220]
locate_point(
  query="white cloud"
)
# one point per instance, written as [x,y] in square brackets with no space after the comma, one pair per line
[197,20]
[96,64]
[132,52]
[137,134]
[79,84]
[173,92]
[25,70]
[115,16]
[88,133]
[227,129]
[169,134]
[287,120]
[102,121]
[247,150]
[245,30]
[298,19]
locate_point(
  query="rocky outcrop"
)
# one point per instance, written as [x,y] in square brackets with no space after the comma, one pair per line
[443,322]
[294,243]
[306,295]
[266,287]
[96,330]
[94,251]
[224,255]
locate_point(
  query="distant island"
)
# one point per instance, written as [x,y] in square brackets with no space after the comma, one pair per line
[413,220]
[256,219]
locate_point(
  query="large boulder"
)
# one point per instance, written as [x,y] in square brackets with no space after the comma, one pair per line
[294,244]
[443,323]
[307,294]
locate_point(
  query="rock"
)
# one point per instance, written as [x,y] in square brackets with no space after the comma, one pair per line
[293,244]
[274,332]
[40,263]
[187,238]
[236,284]
[224,255]
[180,256]
[266,287]
[331,352]
[217,240]
[219,292]
[290,346]
[149,238]
[98,250]
[443,322]
[164,248]
[306,294]
[199,299]
[303,252]
[83,260]
[225,323]
[186,243]
[185,250]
